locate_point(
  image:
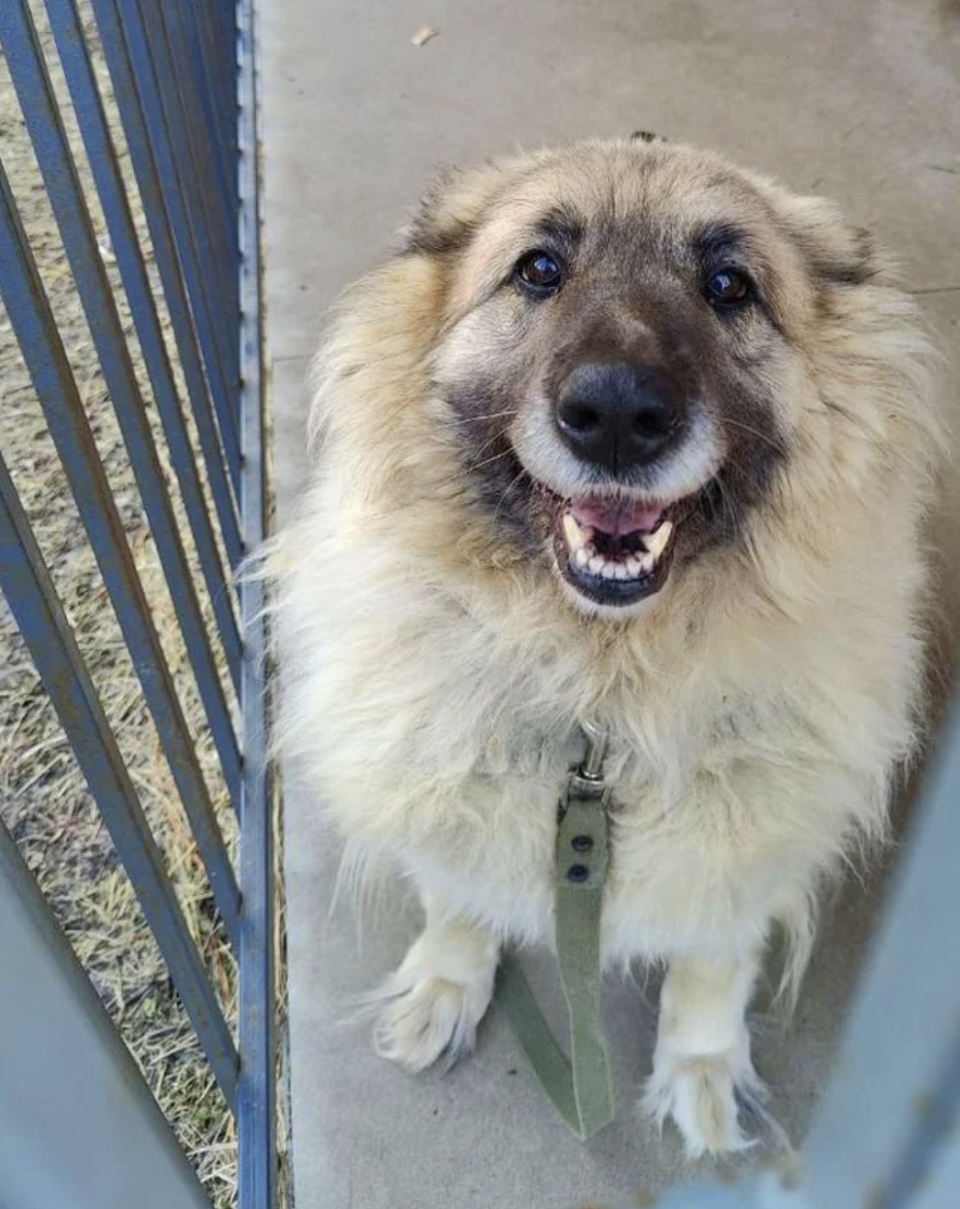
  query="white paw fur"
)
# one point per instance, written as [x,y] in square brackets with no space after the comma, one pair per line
[435,1000]
[702,1095]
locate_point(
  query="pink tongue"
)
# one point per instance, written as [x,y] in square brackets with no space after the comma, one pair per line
[616,518]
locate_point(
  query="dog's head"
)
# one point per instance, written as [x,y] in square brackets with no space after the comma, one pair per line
[622,350]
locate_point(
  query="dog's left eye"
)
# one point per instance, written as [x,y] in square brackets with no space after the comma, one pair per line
[729,287]
[539,272]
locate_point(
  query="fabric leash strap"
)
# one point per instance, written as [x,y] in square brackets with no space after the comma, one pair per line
[580,1086]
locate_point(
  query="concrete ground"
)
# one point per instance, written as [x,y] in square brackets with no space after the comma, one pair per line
[860,101]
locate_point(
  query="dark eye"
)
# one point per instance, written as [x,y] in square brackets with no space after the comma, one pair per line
[729,287]
[539,272]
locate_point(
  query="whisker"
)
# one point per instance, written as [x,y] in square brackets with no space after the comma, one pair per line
[509,487]
[490,415]
[486,445]
[489,461]
[779,445]
[730,512]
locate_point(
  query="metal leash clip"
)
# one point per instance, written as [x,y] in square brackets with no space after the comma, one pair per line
[585,783]
[592,767]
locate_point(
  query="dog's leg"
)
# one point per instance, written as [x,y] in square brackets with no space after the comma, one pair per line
[437,997]
[702,1070]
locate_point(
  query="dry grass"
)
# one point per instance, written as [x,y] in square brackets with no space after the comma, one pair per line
[43,796]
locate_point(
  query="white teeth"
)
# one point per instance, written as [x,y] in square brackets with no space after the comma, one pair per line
[576,535]
[632,568]
[656,542]
[572,532]
[585,556]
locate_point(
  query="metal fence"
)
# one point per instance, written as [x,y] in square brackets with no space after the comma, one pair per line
[78,1125]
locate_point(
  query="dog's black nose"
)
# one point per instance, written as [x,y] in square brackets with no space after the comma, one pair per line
[618,415]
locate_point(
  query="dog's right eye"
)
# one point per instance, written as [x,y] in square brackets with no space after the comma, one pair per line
[539,272]
[728,288]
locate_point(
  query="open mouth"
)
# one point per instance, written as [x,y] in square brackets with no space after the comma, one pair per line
[615,552]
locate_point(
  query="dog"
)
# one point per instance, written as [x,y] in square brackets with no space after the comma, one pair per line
[627,436]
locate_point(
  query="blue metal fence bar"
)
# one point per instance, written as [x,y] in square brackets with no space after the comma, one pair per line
[33,600]
[196,80]
[78,70]
[213,62]
[104,1143]
[32,83]
[184,26]
[217,61]
[941,1189]
[225,39]
[194,255]
[147,167]
[211,179]
[207,202]
[897,1086]
[35,329]
[258,1073]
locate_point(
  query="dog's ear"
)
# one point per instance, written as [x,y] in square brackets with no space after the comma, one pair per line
[430,229]
[836,251]
[450,211]
[646,136]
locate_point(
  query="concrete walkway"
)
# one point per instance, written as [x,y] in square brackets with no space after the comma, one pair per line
[860,101]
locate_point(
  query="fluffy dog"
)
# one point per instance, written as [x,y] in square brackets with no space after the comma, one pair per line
[629,436]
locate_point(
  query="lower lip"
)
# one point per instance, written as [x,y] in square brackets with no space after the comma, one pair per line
[615,593]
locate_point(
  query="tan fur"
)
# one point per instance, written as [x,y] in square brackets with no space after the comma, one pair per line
[436,675]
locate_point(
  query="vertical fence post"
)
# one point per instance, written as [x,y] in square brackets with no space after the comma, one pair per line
[894,1102]
[258,1074]
[79,1128]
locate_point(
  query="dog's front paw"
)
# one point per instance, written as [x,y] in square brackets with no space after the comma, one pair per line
[432,1005]
[704,1095]
[430,1020]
